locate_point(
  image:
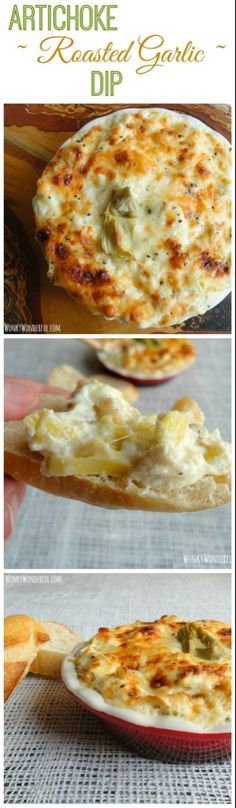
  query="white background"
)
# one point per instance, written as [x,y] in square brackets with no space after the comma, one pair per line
[206,22]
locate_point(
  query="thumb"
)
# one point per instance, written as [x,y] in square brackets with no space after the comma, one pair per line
[19,399]
[14,492]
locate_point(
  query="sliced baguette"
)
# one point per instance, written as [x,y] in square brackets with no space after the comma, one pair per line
[67,377]
[31,646]
[51,654]
[22,637]
[102,490]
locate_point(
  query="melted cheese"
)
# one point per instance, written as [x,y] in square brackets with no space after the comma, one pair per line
[153,670]
[133,214]
[150,356]
[101,432]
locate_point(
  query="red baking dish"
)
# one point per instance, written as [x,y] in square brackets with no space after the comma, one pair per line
[157,741]
[141,382]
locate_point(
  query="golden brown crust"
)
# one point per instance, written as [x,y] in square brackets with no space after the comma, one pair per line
[14,672]
[178,667]
[150,356]
[23,464]
[35,647]
[181,252]
[50,655]
[22,636]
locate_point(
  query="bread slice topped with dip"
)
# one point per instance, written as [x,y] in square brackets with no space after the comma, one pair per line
[100,449]
[133,216]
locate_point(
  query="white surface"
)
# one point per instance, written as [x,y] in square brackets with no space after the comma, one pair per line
[57,752]
[58,533]
[173,21]
[88,600]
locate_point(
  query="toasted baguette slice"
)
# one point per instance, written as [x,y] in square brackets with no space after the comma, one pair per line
[22,637]
[67,377]
[50,655]
[101,489]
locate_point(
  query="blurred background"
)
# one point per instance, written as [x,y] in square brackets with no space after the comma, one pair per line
[52,532]
[86,601]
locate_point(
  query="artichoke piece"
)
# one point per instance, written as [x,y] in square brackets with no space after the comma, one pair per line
[119,223]
[123,202]
[184,637]
[213,451]
[189,637]
[171,427]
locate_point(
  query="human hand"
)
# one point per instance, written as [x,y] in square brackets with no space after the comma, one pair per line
[21,397]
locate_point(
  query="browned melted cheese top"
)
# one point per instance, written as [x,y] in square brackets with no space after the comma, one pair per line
[150,667]
[150,354]
[161,261]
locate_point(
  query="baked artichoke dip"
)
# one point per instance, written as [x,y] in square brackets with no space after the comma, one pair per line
[100,433]
[133,214]
[166,668]
[148,357]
